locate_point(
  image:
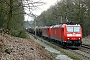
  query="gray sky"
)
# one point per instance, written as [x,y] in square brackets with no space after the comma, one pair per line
[42,8]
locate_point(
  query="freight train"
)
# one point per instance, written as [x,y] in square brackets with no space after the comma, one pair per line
[65,34]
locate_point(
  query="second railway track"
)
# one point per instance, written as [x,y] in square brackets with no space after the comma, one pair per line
[86,46]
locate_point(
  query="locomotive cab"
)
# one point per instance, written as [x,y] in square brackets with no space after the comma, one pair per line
[73,35]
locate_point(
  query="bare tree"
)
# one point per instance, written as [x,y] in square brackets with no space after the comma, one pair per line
[31,5]
[12,7]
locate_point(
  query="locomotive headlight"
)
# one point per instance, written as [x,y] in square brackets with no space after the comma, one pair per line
[79,38]
[68,38]
[65,41]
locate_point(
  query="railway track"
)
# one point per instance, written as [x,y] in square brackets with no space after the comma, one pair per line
[82,54]
[86,46]
[83,51]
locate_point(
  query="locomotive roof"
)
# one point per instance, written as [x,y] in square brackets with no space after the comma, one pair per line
[73,25]
[56,26]
[63,24]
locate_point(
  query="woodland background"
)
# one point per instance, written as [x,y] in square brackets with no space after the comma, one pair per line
[77,11]
[12,15]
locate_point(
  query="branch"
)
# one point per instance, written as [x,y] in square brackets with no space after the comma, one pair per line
[31,5]
[19,13]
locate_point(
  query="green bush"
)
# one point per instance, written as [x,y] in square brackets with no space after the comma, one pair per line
[23,34]
[19,33]
[14,33]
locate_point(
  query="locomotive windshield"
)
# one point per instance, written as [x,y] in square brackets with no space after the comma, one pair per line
[76,29]
[70,29]
[73,29]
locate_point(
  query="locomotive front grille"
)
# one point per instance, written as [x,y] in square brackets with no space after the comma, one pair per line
[74,43]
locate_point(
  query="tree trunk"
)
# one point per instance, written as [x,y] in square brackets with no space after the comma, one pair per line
[10,16]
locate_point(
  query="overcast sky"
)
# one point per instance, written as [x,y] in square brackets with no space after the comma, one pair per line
[42,8]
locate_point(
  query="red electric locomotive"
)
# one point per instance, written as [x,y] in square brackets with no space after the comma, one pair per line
[67,35]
